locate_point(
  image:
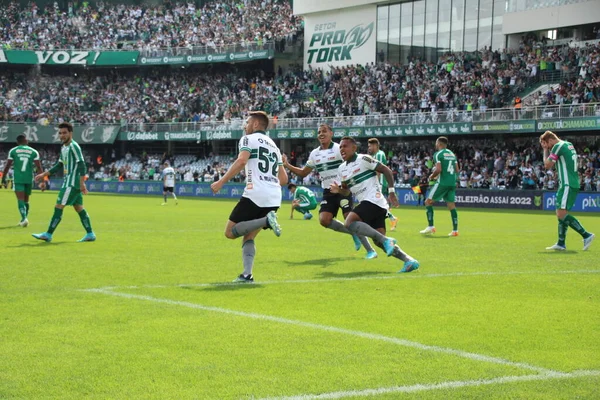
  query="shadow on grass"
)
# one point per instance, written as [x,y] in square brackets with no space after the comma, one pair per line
[324,262]
[10,227]
[38,243]
[357,274]
[435,237]
[226,287]
[557,253]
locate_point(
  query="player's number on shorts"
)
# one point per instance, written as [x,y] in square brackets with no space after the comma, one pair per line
[265,159]
[25,162]
[450,168]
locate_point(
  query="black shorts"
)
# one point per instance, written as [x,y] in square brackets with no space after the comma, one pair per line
[247,210]
[371,214]
[331,203]
[167,189]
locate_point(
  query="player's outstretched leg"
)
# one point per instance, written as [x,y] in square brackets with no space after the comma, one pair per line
[87,224]
[359,228]
[175,198]
[574,223]
[248,253]
[245,227]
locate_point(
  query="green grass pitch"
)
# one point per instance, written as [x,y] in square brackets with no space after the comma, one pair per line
[489,315]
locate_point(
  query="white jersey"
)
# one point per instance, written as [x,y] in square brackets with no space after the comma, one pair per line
[360,177]
[262,170]
[326,162]
[169,177]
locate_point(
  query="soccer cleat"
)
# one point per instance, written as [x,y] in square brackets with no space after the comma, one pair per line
[556,247]
[89,237]
[24,223]
[428,231]
[371,255]
[357,243]
[308,215]
[272,221]
[46,237]
[244,279]
[453,233]
[411,265]
[163,204]
[587,242]
[388,246]
[393,223]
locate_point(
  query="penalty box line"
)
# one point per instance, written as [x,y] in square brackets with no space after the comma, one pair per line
[327,328]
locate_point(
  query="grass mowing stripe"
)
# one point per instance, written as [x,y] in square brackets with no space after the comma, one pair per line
[366,335]
[438,386]
[360,278]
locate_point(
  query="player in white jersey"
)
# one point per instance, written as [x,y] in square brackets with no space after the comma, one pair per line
[358,175]
[265,175]
[326,159]
[168,174]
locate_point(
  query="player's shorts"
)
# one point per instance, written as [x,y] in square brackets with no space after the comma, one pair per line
[331,203]
[565,197]
[23,187]
[438,192]
[247,210]
[168,189]
[371,214]
[70,197]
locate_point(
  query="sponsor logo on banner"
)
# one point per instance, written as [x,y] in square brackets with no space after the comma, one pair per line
[219,135]
[283,134]
[569,124]
[144,136]
[354,132]
[87,135]
[295,134]
[334,44]
[308,134]
[585,202]
[338,133]
[63,57]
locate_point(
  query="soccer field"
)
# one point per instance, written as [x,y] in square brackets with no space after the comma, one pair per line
[147,311]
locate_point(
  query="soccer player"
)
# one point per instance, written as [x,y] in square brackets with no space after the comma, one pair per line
[22,158]
[379,155]
[358,175]
[168,174]
[562,154]
[326,159]
[73,187]
[265,175]
[304,200]
[446,168]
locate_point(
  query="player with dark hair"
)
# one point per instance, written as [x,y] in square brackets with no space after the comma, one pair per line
[304,200]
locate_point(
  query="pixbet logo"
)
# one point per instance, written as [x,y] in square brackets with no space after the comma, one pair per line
[590,202]
[336,45]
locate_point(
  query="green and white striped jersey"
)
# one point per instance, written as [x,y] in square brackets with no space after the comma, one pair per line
[70,156]
[564,155]
[326,162]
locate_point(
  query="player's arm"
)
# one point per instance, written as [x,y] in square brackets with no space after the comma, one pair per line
[238,165]
[55,168]
[9,163]
[282,175]
[82,170]
[437,171]
[549,159]
[389,177]
[340,188]
[301,172]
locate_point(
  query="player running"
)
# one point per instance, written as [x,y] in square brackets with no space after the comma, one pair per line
[379,155]
[562,154]
[22,158]
[446,168]
[168,174]
[326,159]
[304,200]
[358,175]
[265,174]
[74,169]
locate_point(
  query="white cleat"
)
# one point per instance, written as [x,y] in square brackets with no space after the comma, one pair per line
[24,223]
[556,247]
[453,233]
[428,231]
[163,204]
[587,242]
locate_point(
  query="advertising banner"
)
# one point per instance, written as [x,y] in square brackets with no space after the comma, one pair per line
[208,58]
[520,126]
[103,134]
[520,199]
[585,201]
[70,57]
[569,124]
[341,37]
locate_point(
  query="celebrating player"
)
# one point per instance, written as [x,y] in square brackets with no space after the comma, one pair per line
[23,158]
[445,171]
[168,174]
[562,154]
[358,175]
[74,168]
[304,200]
[376,153]
[265,174]
[326,159]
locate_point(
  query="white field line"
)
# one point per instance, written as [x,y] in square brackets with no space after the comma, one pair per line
[438,386]
[361,278]
[364,335]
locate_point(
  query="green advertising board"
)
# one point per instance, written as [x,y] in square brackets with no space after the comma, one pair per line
[103,134]
[569,124]
[207,58]
[69,57]
[517,126]
[184,136]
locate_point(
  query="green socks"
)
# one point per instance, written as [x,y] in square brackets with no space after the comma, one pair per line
[576,225]
[55,220]
[454,215]
[562,232]
[22,209]
[429,215]
[85,221]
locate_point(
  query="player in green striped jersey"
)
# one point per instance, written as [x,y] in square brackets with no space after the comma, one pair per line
[445,171]
[304,200]
[74,169]
[22,158]
[562,155]
[377,154]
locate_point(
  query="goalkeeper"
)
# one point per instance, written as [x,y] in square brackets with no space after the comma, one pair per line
[304,200]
